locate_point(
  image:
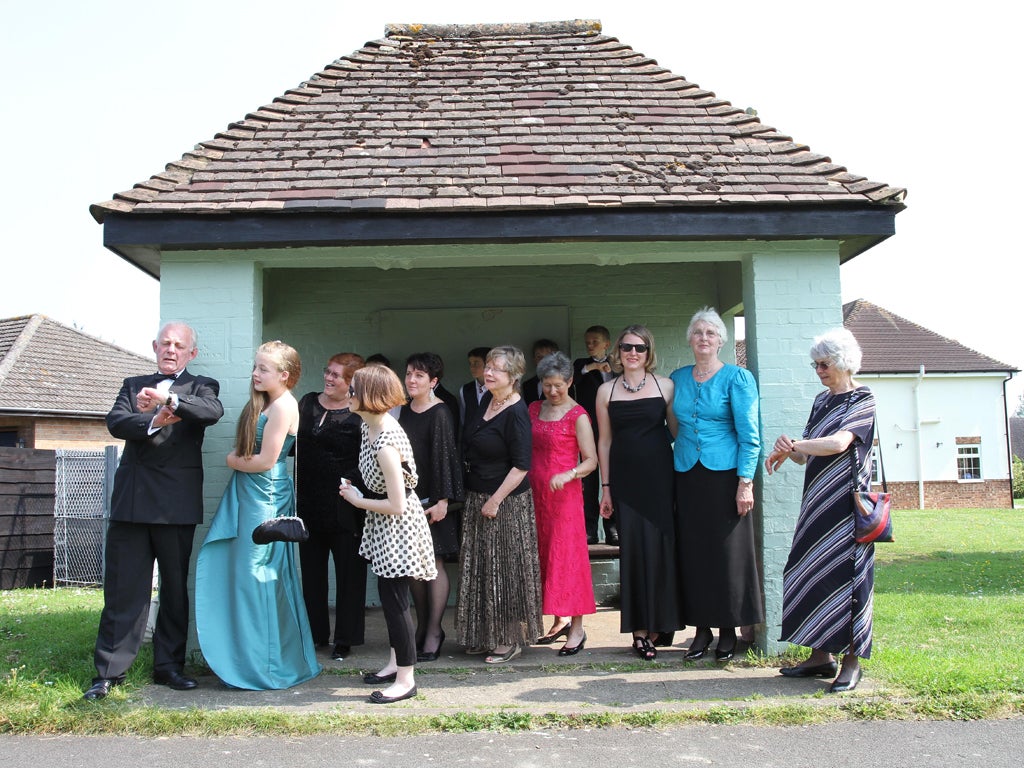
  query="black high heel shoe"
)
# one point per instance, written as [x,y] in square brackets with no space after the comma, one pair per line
[431,655]
[567,651]
[549,639]
[726,647]
[700,644]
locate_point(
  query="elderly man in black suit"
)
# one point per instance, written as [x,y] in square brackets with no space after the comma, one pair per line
[156,505]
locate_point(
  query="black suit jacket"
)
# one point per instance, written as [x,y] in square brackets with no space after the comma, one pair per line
[586,386]
[160,477]
[531,390]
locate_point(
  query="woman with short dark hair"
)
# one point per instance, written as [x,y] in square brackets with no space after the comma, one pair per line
[428,423]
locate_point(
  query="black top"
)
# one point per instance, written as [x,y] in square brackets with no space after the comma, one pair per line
[494,447]
[532,391]
[327,449]
[433,447]
[452,401]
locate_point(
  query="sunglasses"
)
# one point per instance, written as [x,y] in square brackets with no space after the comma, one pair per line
[624,347]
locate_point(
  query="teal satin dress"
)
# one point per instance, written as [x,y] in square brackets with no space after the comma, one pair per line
[252,623]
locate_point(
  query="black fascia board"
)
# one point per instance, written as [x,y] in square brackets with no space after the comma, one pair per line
[210,231]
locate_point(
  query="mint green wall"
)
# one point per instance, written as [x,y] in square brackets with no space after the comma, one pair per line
[790,292]
[790,295]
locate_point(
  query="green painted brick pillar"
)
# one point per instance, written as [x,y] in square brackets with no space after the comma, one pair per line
[791,293]
[223,301]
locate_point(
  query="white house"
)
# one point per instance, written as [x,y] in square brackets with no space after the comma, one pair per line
[942,431]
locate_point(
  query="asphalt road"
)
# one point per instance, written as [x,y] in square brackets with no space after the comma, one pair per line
[989,743]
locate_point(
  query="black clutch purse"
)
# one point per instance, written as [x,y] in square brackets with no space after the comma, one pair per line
[280,529]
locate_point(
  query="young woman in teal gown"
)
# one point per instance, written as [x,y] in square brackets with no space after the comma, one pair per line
[252,623]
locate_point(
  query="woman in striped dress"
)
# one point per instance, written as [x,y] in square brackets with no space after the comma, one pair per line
[828,582]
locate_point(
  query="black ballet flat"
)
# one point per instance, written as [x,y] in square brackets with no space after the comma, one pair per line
[849,685]
[567,651]
[828,669]
[379,698]
[374,679]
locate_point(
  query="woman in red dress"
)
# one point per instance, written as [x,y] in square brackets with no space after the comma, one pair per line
[562,436]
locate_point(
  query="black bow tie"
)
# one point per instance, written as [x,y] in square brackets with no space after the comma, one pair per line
[163,376]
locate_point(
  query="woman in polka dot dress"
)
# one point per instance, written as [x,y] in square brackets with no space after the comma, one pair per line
[396,538]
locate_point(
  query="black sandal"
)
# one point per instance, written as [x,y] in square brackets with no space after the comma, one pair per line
[645,648]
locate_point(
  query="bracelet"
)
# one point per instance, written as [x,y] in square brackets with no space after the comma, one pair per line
[574,475]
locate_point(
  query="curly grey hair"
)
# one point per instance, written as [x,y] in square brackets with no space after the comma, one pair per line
[840,348]
[555,364]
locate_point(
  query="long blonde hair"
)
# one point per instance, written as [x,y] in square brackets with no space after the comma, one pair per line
[287,359]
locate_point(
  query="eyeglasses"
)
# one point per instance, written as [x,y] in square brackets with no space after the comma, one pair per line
[641,348]
[709,333]
[821,365]
[492,369]
[329,374]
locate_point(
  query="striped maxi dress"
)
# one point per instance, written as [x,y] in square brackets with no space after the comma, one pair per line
[828,583]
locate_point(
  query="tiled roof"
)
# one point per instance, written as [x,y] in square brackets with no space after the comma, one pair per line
[49,368]
[891,344]
[495,117]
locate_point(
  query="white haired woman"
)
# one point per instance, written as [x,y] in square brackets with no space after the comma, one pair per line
[828,582]
[715,455]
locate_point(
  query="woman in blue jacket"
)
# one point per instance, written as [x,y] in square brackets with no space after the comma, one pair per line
[716,454]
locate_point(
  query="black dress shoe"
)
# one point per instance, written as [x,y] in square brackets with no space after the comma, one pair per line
[550,638]
[849,685]
[591,541]
[828,669]
[664,640]
[341,651]
[100,688]
[374,679]
[175,680]
[611,536]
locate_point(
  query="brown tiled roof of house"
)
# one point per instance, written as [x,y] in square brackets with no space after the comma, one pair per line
[892,344]
[46,367]
[495,117]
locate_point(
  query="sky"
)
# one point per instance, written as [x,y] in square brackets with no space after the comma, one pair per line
[101,95]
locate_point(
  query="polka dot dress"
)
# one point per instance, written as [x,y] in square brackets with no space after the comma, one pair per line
[395,545]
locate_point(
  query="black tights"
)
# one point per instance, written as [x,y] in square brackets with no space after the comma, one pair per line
[394,599]
[431,598]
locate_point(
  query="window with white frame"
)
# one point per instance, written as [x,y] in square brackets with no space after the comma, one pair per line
[968,462]
[875,474]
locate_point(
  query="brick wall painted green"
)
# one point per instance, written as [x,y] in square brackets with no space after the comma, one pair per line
[790,296]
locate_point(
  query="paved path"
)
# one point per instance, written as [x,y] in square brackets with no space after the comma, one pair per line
[988,744]
[602,677]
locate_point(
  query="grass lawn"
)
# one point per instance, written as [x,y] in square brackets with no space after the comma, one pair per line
[949,617]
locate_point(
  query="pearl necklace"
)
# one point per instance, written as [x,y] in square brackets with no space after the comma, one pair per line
[637,388]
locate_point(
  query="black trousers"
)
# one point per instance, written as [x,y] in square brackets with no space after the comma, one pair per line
[394,600]
[127,588]
[349,581]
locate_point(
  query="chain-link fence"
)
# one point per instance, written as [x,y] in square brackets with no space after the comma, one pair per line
[81,509]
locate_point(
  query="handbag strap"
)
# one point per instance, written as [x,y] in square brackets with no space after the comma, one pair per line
[854,479]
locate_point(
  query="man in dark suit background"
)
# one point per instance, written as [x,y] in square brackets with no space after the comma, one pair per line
[156,504]
[533,386]
[589,373]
